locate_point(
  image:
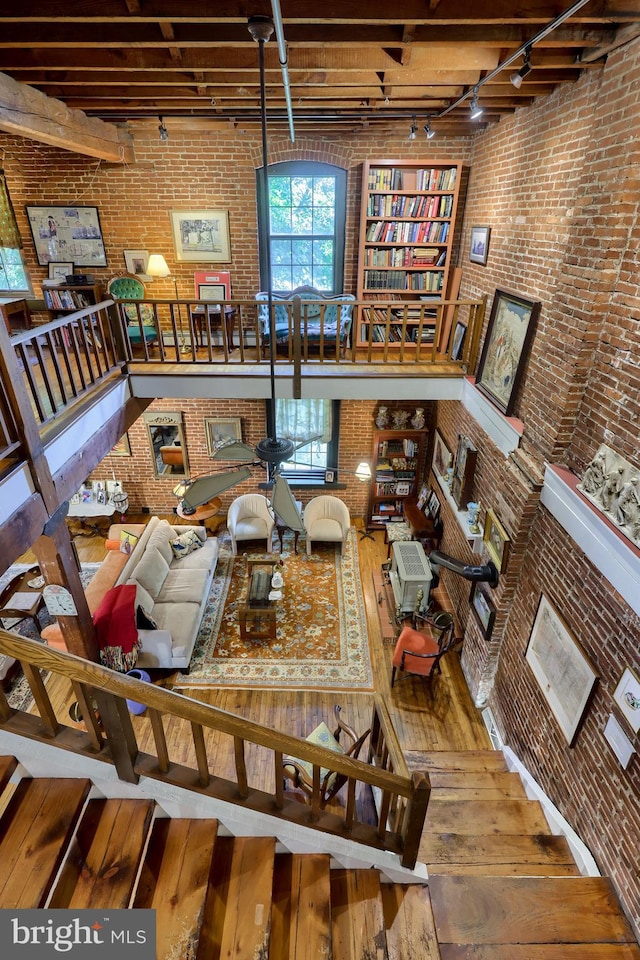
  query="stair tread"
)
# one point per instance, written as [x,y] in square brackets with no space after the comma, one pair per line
[238,909]
[357,916]
[505,910]
[540,951]
[452,760]
[301,908]
[34,831]
[494,850]
[104,859]
[480,784]
[409,922]
[485,816]
[174,882]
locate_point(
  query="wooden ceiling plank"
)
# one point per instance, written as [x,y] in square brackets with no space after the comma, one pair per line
[31,114]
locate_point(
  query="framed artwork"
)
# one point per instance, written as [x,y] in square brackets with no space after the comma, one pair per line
[511,326]
[479,244]
[122,448]
[67,234]
[483,608]
[329,476]
[433,505]
[463,470]
[627,697]
[496,540]
[441,456]
[459,335]
[219,429]
[60,271]
[212,286]
[563,672]
[136,262]
[421,502]
[201,235]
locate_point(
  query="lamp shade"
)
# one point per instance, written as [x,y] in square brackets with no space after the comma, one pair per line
[157,266]
[363,471]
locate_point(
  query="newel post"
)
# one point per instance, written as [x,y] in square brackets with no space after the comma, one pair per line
[416,815]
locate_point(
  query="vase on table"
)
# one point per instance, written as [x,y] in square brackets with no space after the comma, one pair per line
[382,418]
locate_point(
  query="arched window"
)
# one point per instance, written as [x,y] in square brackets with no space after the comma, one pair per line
[307,210]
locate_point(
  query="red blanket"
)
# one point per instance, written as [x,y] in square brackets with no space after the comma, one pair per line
[115,624]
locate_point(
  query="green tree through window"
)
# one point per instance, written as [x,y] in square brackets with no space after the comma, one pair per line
[13,277]
[307,222]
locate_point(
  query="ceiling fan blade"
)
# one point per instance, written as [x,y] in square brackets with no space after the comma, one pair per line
[284,506]
[206,488]
[303,443]
[234,450]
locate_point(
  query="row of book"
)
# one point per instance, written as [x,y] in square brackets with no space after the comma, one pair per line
[405,231]
[402,205]
[65,299]
[427,178]
[403,257]
[384,280]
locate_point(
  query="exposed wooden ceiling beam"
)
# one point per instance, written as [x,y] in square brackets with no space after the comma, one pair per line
[30,113]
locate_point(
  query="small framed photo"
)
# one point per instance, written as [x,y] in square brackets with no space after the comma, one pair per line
[627,697]
[201,235]
[496,540]
[457,346]
[59,270]
[218,429]
[86,495]
[433,505]
[422,497]
[483,608]
[479,244]
[403,488]
[330,476]
[136,262]
[99,492]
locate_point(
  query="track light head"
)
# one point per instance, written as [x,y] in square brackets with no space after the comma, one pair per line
[164,133]
[524,71]
[428,131]
[413,129]
[476,109]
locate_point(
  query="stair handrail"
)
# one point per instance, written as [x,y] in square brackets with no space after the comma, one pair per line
[110,690]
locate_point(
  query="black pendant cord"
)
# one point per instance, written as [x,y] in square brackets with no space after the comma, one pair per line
[267,213]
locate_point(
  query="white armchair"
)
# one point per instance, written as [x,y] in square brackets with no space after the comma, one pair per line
[250,518]
[326,518]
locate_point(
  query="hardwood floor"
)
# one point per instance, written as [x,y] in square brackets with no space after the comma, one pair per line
[449,721]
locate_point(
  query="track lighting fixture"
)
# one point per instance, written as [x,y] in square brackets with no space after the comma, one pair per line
[517,77]
[427,129]
[476,109]
[164,133]
[413,130]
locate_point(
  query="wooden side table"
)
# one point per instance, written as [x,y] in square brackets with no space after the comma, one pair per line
[281,527]
[206,515]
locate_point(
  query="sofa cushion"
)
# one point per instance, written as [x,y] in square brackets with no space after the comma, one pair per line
[160,542]
[183,586]
[185,544]
[151,572]
[180,619]
[143,597]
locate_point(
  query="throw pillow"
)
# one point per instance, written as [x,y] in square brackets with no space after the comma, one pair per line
[185,544]
[143,620]
[127,542]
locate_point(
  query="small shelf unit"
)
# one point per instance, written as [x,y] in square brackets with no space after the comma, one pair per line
[397,459]
[68,298]
[406,236]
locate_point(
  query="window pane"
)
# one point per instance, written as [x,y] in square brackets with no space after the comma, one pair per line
[301,251]
[279,192]
[324,192]
[323,220]
[302,275]
[13,276]
[281,251]
[323,252]
[302,220]
[322,278]
[302,191]
[280,220]
[281,277]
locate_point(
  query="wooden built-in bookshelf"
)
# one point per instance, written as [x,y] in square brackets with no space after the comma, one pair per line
[396,461]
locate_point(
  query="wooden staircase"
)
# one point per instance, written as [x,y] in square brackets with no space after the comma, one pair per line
[499,887]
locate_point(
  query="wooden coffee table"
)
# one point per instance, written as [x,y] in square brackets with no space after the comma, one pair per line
[257,616]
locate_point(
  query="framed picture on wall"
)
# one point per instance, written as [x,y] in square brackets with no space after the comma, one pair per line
[561,668]
[483,608]
[509,333]
[60,271]
[201,235]
[442,457]
[122,448]
[69,232]
[136,263]
[496,540]
[627,697]
[219,429]
[479,244]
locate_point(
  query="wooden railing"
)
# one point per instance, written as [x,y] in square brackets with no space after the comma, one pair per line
[113,737]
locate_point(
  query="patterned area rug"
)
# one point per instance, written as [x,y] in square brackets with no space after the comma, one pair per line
[321,628]
[19,695]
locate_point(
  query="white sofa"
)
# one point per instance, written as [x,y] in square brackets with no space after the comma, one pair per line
[172,591]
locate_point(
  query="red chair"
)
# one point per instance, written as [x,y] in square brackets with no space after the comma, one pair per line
[419,652]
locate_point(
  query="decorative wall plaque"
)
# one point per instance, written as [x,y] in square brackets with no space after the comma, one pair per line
[612,484]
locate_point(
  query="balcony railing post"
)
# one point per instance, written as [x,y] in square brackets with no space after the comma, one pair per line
[415,817]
